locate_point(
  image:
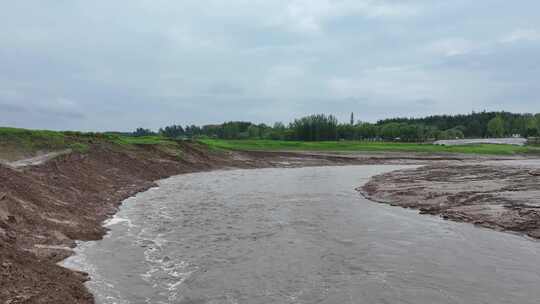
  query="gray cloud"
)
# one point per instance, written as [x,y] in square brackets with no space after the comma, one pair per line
[117,65]
[7,108]
[224,89]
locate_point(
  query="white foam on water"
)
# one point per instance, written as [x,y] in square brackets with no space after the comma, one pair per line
[164,273]
[117,220]
[174,286]
[79,261]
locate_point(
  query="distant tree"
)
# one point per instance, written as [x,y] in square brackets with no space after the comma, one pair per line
[192,131]
[390,131]
[230,130]
[537,119]
[495,127]
[254,131]
[475,123]
[143,132]
[531,128]
[346,131]
[212,131]
[474,128]
[264,131]
[366,131]
[454,133]
[431,133]
[174,131]
[278,131]
[412,132]
[315,128]
[326,127]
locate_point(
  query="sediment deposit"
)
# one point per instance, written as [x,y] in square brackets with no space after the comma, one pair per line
[499,195]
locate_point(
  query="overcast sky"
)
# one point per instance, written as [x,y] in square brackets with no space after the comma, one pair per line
[117,65]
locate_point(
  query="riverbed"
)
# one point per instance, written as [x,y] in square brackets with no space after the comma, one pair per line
[300,235]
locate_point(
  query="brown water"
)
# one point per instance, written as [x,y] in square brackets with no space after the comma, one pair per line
[298,236]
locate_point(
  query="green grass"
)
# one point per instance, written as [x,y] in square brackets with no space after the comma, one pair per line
[33,140]
[56,139]
[351,146]
[143,140]
[16,143]
[20,143]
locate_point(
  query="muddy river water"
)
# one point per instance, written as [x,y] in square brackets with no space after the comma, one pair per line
[298,236]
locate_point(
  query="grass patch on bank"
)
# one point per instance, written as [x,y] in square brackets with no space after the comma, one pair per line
[22,143]
[364,146]
[53,140]
[18,143]
[28,141]
[143,140]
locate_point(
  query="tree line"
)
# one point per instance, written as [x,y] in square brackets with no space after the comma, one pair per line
[322,127]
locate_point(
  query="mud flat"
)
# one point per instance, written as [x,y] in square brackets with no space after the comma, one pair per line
[502,195]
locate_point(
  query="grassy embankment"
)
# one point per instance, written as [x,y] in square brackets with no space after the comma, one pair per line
[21,143]
[363,146]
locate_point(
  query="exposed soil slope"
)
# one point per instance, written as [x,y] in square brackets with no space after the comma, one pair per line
[498,195]
[44,208]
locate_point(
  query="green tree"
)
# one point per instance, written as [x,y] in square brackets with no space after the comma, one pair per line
[346,131]
[537,118]
[230,131]
[143,132]
[366,131]
[315,127]
[277,132]
[254,131]
[264,131]
[495,127]
[174,131]
[531,128]
[391,131]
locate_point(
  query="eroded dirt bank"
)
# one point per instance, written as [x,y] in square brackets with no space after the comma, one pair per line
[502,195]
[46,206]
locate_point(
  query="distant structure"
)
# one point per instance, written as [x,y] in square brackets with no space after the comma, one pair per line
[516,141]
[352,118]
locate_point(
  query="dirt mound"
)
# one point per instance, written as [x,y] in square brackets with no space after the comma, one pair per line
[501,197]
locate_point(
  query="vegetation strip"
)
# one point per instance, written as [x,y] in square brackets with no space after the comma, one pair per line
[365,146]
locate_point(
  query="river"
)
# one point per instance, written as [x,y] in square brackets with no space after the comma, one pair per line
[298,236]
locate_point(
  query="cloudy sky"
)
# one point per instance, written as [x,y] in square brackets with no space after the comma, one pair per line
[117,65]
